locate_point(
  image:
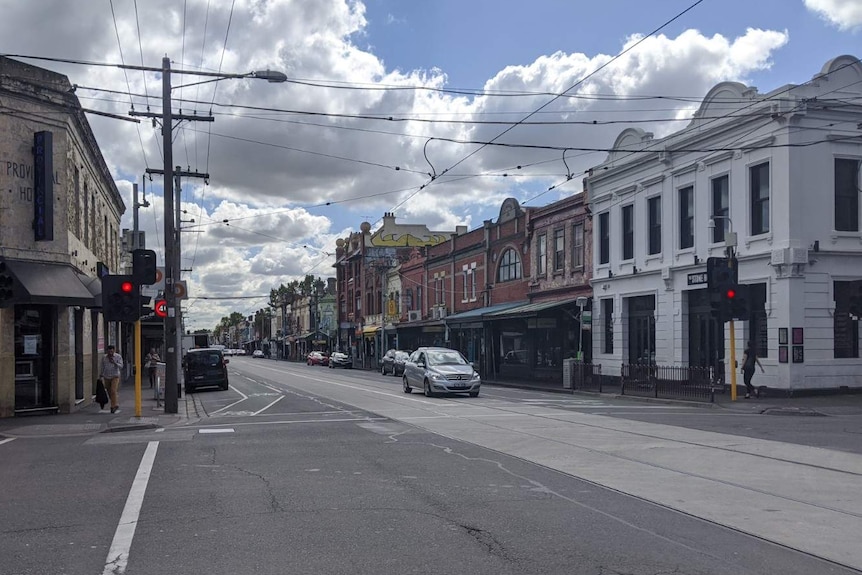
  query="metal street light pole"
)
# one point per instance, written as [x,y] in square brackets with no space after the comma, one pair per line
[172,267]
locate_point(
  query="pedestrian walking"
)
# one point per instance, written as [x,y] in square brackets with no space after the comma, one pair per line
[749,359]
[112,367]
[152,361]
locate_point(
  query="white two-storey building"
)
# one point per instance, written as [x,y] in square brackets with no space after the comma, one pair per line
[781,172]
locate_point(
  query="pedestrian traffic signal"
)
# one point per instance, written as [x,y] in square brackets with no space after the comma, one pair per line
[121,298]
[7,284]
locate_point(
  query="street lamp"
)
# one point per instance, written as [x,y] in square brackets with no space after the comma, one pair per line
[172,264]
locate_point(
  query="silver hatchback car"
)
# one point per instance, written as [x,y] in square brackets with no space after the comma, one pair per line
[440,370]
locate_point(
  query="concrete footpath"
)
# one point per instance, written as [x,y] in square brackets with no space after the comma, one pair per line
[91,418]
[767,404]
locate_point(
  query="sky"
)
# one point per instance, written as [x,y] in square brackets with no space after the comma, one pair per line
[390,106]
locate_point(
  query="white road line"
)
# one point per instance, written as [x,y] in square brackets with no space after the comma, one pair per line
[244,397]
[211,430]
[7,440]
[280,397]
[287,422]
[118,555]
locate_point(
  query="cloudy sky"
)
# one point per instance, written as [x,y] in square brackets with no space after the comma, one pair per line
[390,104]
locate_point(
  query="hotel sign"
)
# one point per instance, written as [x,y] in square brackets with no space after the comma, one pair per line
[697,279]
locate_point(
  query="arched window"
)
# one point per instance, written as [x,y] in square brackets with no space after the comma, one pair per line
[510,266]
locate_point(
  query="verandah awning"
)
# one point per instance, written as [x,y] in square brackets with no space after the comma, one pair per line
[530,309]
[50,283]
[478,313]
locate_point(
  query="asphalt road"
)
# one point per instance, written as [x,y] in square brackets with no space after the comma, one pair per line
[302,469]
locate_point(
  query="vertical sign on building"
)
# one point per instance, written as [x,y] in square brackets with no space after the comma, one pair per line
[43,186]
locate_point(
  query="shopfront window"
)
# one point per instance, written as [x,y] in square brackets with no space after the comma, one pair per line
[33,351]
[513,344]
[548,340]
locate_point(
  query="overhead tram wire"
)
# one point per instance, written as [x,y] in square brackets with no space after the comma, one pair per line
[555,98]
[395,118]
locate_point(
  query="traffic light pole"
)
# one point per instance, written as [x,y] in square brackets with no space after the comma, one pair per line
[138,368]
[732,262]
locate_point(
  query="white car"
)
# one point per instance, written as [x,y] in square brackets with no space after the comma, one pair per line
[257,353]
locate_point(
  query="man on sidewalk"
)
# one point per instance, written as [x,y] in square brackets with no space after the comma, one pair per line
[112,367]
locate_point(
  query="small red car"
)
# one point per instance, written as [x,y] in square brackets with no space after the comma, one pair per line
[317,358]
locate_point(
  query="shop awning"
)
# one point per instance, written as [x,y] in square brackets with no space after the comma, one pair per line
[529,309]
[50,283]
[94,286]
[370,330]
[478,313]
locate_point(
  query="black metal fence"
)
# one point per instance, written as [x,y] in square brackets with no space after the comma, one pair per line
[587,376]
[671,382]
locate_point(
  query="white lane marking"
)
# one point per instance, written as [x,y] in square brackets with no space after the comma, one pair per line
[275,389]
[259,411]
[118,555]
[7,440]
[220,430]
[244,397]
[240,424]
[400,394]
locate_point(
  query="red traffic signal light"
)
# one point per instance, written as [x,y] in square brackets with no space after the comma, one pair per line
[127,287]
[731,293]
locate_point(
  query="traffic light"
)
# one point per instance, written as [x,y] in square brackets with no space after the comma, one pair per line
[721,277]
[7,284]
[144,267]
[121,298]
[737,302]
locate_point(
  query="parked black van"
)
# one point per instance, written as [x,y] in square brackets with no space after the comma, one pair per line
[205,367]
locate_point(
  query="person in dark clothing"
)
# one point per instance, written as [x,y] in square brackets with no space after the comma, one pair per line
[749,360]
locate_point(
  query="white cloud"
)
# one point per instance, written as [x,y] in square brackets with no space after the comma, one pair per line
[273,171]
[845,14]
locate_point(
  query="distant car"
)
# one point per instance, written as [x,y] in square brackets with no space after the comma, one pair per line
[257,353]
[317,358]
[440,370]
[339,359]
[205,367]
[393,362]
[227,351]
[240,351]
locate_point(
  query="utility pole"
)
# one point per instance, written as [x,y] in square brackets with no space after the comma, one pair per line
[171,272]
